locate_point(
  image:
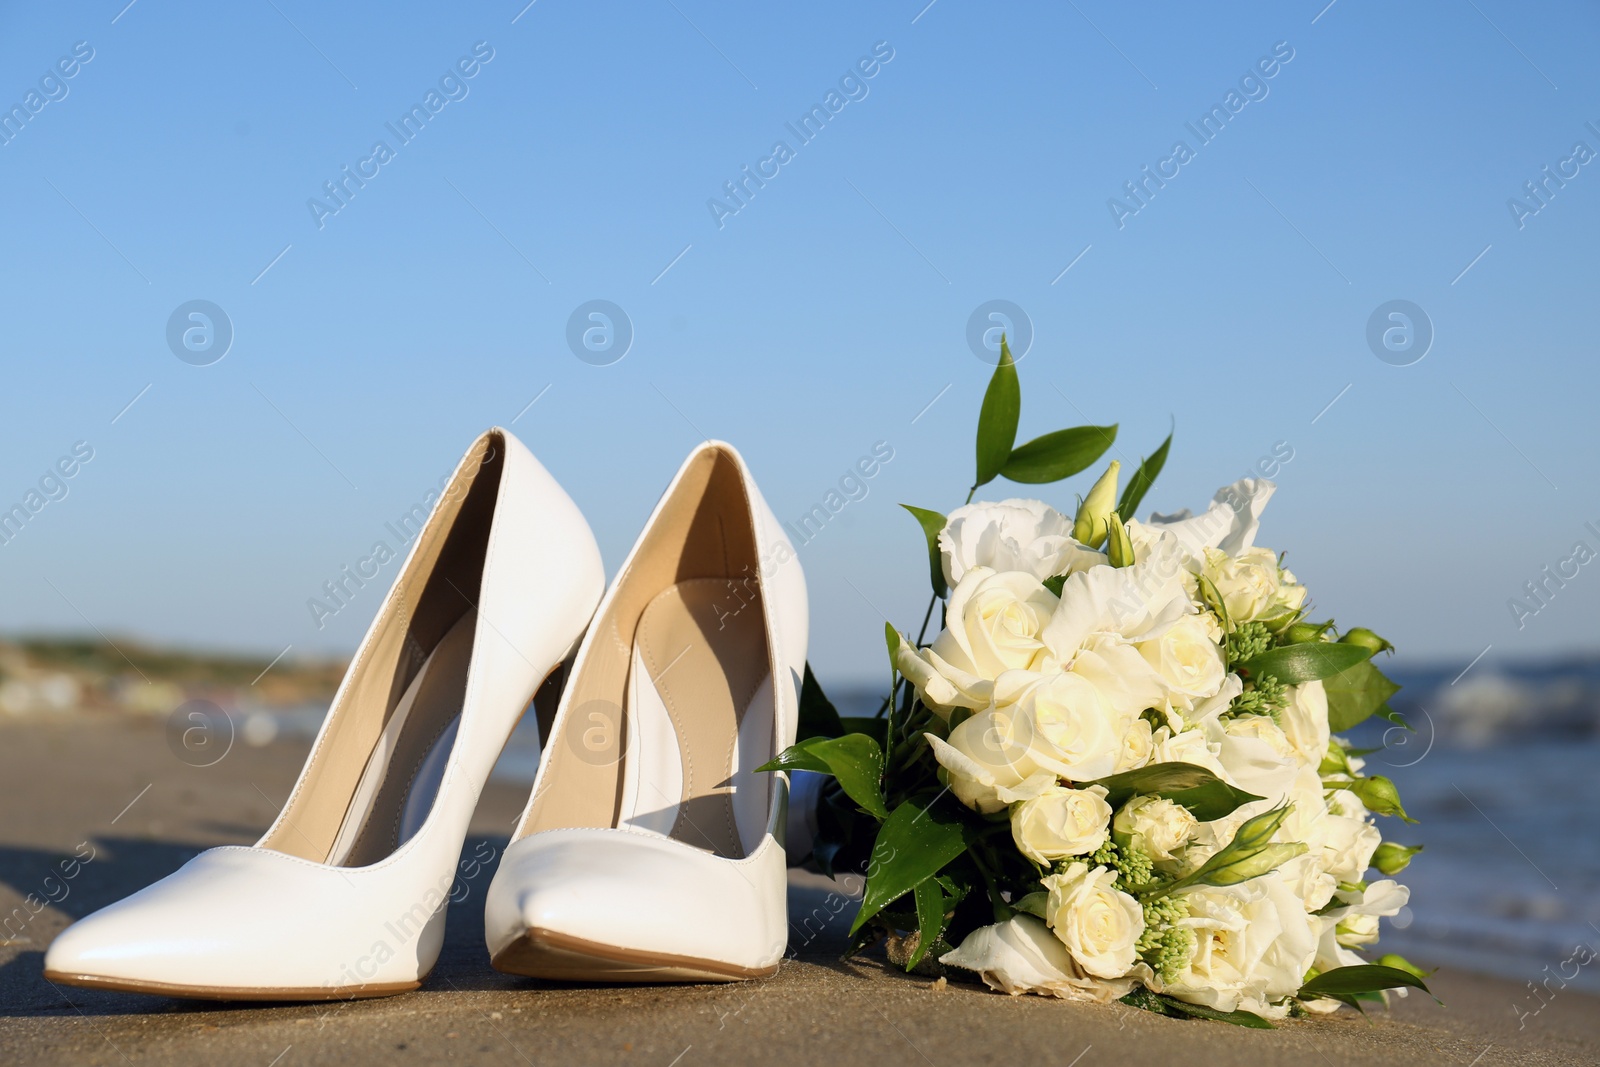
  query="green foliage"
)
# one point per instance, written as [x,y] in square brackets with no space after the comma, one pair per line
[1356,693]
[1058,455]
[818,716]
[930,918]
[912,846]
[931,522]
[1205,795]
[856,760]
[1294,664]
[1365,978]
[1143,479]
[997,418]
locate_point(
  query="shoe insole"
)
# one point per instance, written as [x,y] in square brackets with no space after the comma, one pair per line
[700,718]
[401,779]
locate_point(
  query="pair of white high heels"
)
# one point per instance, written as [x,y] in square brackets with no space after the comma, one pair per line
[650,850]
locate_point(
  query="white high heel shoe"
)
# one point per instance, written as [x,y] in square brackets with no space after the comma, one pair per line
[651,849]
[345,895]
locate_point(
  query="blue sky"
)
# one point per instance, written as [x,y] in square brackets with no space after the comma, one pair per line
[577,162]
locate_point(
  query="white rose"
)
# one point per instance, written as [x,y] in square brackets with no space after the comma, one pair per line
[1099,924]
[1188,660]
[1137,745]
[988,763]
[1011,535]
[1253,945]
[1249,583]
[1155,824]
[992,625]
[1021,955]
[1188,746]
[1060,823]
[1071,728]
[1128,684]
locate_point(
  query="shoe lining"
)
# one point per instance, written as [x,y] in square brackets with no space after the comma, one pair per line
[412,643]
[683,638]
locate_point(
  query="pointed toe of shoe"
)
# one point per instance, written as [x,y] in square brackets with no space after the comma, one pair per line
[616,905]
[231,925]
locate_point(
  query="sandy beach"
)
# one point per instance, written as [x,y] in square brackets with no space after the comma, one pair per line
[111,794]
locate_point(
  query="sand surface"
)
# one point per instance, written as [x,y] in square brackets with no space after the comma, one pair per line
[118,786]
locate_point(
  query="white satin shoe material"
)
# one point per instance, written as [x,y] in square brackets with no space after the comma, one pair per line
[651,850]
[345,895]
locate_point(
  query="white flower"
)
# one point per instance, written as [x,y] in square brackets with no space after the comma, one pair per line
[1060,823]
[1253,946]
[1305,722]
[1138,603]
[1188,660]
[1099,924]
[1257,756]
[1230,523]
[1021,955]
[1011,535]
[1155,824]
[1137,745]
[1187,746]
[1362,908]
[1070,727]
[992,625]
[988,763]
[1307,822]
[1251,584]
[1123,678]
[1351,838]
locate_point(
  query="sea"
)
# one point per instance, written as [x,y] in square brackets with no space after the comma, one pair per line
[1502,774]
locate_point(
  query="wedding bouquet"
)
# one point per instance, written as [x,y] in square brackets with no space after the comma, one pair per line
[1113,774]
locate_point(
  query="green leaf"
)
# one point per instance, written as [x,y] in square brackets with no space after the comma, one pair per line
[818,716]
[930,919]
[997,419]
[1058,455]
[1294,664]
[1237,1018]
[931,522]
[1401,963]
[1356,693]
[856,760]
[1363,978]
[1143,479]
[1033,903]
[1205,795]
[1389,714]
[912,846]
[1055,583]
